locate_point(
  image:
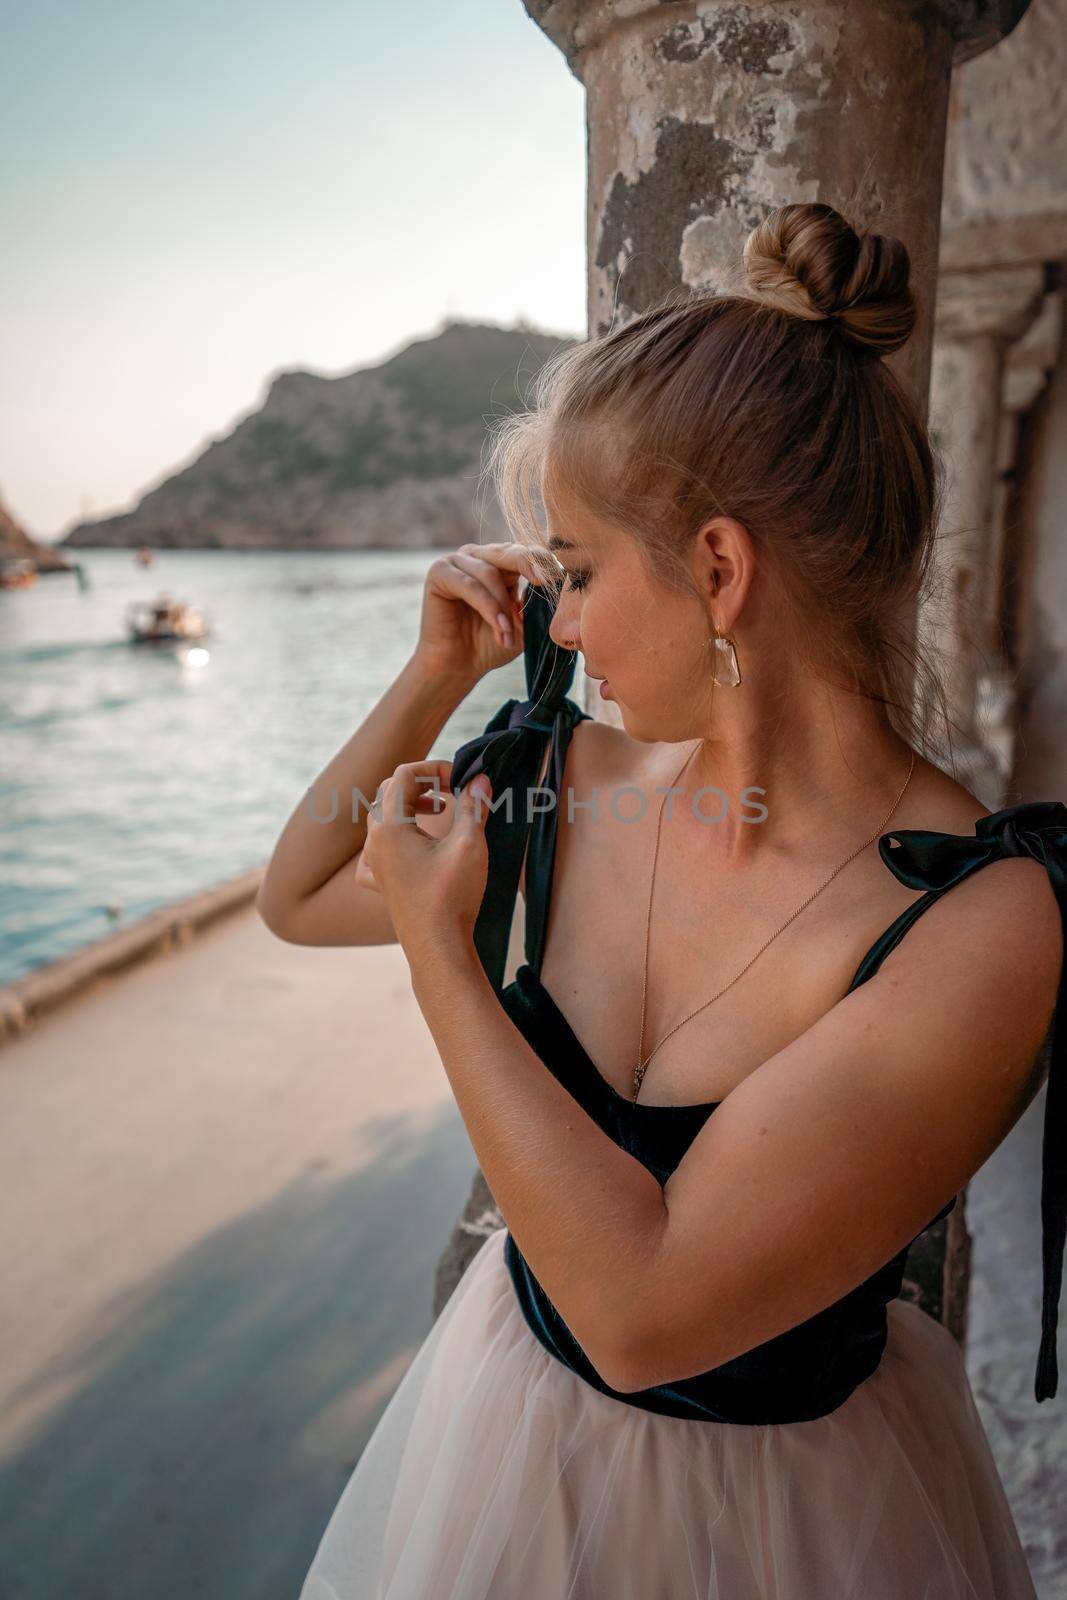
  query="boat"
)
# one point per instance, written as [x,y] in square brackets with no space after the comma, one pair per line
[145,556]
[18,574]
[165,621]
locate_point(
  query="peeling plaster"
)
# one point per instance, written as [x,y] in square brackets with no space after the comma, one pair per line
[740,35]
[725,90]
[703,181]
[695,171]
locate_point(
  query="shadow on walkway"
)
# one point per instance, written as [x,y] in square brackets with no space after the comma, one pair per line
[194,1442]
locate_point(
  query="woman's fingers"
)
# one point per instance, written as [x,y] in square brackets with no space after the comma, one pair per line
[486,578]
[413,787]
[499,567]
[519,560]
[487,595]
[365,874]
[452,576]
[473,798]
[488,574]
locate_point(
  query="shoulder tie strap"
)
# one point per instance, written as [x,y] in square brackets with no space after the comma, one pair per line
[936,861]
[509,751]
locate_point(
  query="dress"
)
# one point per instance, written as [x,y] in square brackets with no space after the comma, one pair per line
[842,1460]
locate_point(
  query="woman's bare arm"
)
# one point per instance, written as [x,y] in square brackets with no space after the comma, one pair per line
[309,894]
[471,622]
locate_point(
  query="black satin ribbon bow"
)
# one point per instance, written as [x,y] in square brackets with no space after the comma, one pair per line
[936,861]
[510,751]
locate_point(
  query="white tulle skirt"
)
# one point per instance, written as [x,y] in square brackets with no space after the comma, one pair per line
[496,1473]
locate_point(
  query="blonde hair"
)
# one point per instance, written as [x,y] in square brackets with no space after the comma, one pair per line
[770,405]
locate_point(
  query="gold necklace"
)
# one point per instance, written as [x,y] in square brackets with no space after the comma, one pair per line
[640,1069]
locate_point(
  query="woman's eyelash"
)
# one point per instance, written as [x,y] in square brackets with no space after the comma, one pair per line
[577,580]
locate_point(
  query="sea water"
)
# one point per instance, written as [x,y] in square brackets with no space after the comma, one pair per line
[132,775]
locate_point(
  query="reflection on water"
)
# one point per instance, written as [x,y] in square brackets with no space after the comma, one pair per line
[133,775]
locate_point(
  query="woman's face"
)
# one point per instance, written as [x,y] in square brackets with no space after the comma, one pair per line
[647,640]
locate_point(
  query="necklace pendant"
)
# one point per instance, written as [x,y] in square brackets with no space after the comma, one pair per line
[723,647]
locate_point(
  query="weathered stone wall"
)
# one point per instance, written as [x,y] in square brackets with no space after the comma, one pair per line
[998,338]
[1039,527]
[1004,161]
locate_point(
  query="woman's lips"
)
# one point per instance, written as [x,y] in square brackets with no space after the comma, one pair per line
[605,691]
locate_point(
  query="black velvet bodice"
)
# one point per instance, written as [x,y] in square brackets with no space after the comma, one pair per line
[809,1370]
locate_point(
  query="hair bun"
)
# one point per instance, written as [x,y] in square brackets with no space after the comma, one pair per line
[808,261]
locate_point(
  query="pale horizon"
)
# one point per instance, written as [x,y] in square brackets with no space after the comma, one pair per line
[195,206]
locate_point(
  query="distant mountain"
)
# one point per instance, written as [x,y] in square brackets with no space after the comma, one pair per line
[384,457]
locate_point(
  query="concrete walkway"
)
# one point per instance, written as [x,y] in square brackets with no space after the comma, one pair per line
[229,1173]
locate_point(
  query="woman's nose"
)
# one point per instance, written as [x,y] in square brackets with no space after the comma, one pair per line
[563,629]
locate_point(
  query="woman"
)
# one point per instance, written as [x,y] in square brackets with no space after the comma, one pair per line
[713,1113]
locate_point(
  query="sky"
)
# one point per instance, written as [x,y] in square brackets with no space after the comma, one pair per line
[195,197]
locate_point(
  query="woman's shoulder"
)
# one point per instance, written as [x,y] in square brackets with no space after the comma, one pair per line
[606,754]
[938,803]
[1014,893]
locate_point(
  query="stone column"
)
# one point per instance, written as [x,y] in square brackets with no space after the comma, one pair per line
[703,117]
[1040,767]
[979,314]
[1029,364]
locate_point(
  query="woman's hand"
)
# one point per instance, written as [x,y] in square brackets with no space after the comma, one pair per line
[433,887]
[471,614]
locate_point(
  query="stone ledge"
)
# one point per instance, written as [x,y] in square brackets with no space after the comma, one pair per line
[996,242]
[168,928]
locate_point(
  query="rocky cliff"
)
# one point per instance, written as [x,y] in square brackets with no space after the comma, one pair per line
[16,545]
[382,457]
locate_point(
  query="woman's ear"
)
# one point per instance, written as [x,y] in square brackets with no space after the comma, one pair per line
[725,562]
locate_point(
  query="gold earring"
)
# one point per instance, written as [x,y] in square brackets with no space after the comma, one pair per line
[724,671]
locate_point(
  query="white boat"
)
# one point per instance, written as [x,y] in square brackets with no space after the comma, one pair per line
[165,621]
